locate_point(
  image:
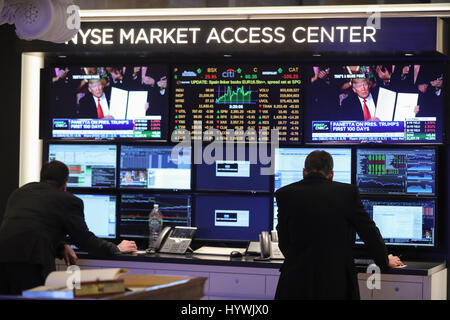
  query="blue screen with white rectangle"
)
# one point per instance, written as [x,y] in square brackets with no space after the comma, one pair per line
[231,217]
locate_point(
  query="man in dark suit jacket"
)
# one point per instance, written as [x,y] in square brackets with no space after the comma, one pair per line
[317,219]
[97,96]
[37,218]
[354,106]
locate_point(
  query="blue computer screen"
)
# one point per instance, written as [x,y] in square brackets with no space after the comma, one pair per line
[100,214]
[289,164]
[402,171]
[89,165]
[155,167]
[233,168]
[403,222]
[231,217]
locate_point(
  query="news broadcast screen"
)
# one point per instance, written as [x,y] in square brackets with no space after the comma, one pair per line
[384,103]
[107,102]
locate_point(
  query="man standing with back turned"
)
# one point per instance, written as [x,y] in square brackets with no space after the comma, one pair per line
[37,219]
[317,220]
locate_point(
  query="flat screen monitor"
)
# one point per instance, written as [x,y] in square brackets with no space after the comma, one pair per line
[234,168]
[136,207]
[239,102]
[231,217]
[404,222]
[155,167]
[100,214]
[90,165]
[289,164]
[396,171]
[107,101]
[387,103]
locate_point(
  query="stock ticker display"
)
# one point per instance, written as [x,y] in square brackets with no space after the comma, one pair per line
[135,209]
[402,171]
[249,100]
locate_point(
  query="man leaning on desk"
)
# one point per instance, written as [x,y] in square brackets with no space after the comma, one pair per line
[317,220]
[33,229]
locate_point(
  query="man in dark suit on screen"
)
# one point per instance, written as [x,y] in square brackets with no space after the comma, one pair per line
[361,105]
[33,231]
[317,220]
[95,104]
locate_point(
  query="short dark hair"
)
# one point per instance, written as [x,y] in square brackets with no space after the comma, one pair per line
[319,161]
[55,172]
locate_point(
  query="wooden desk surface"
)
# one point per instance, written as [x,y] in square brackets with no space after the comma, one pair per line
[149,287]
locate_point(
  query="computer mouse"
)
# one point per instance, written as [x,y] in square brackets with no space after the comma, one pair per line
[235,254]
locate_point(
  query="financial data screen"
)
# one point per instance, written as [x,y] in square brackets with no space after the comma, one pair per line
[250,100]
[135,210]
[289,164]
[402,171]
[155,167]
[100,214]
[89,165]
[403,222]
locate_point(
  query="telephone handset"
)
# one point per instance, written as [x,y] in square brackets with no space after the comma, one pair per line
[162,237]
[264,242]
[269,246]
[175,240]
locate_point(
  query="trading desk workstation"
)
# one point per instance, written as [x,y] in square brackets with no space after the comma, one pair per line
[249,278]
[211,140]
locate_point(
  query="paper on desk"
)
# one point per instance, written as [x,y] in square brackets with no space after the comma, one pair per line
[385,104]
[118,103]
[61,278]
[136,104]
[406,102]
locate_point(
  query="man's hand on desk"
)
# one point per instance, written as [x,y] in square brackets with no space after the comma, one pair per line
[394,261]
[69,255]
[127,246]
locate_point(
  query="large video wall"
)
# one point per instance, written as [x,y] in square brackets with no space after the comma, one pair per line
[211,143]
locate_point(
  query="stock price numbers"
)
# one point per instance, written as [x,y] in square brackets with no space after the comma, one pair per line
[241,103]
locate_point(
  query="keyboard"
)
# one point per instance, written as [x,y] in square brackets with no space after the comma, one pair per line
[221,251]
